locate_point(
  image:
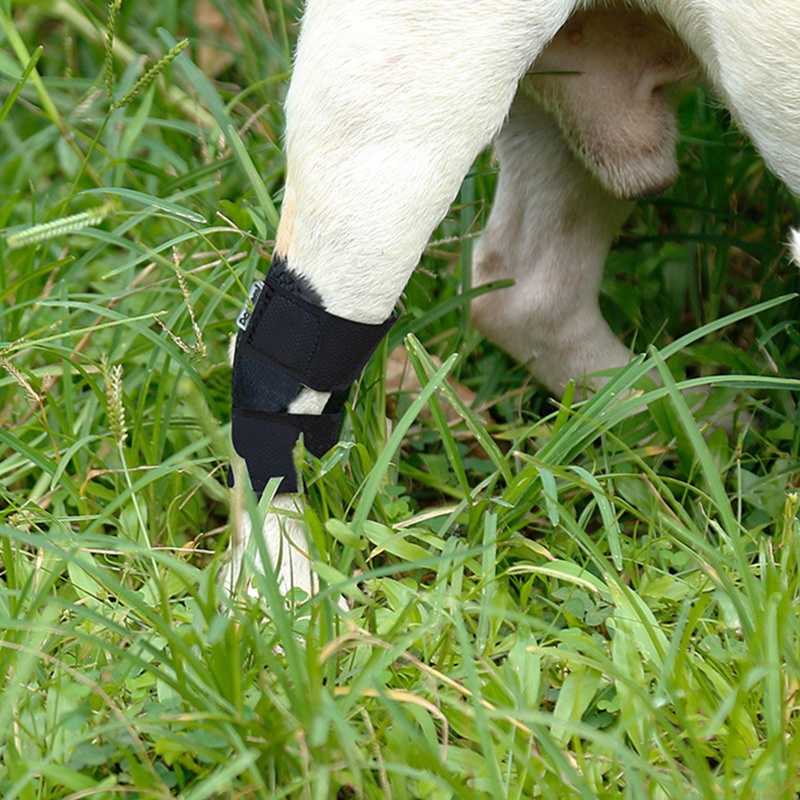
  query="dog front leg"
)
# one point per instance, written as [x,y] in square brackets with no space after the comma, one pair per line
[390,103]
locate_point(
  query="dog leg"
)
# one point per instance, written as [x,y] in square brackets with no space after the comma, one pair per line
[551,227]
[752,57]
[754,62]
[590,128]
[389,105]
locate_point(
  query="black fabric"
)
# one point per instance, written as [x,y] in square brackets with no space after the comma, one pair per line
[287,343]
[261,386]
[318,349]
[266,441]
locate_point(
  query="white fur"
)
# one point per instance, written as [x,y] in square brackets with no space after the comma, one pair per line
[794,245]
[286,548]
[391,101]
[550,319]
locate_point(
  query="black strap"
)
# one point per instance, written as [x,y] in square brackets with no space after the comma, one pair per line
[266,441]
[322,351]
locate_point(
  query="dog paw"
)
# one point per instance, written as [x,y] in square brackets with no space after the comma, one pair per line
[282,541]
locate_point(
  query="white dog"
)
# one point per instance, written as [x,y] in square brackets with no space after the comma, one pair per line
[390,103]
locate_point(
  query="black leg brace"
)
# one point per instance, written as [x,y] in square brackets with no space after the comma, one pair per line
[287,343]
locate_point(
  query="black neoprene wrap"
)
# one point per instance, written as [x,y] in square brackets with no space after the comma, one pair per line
[266,441]
[320,350]
[288,342]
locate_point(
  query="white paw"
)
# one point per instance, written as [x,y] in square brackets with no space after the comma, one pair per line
[284,543]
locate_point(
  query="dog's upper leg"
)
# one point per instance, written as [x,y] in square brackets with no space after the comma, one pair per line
[754,61]
[595,129]
[751,53]
[389,105]
[551,227]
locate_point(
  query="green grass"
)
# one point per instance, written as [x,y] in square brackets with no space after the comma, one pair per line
[549,600]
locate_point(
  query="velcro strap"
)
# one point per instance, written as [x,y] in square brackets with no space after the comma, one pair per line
[266,441]
[319,349]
